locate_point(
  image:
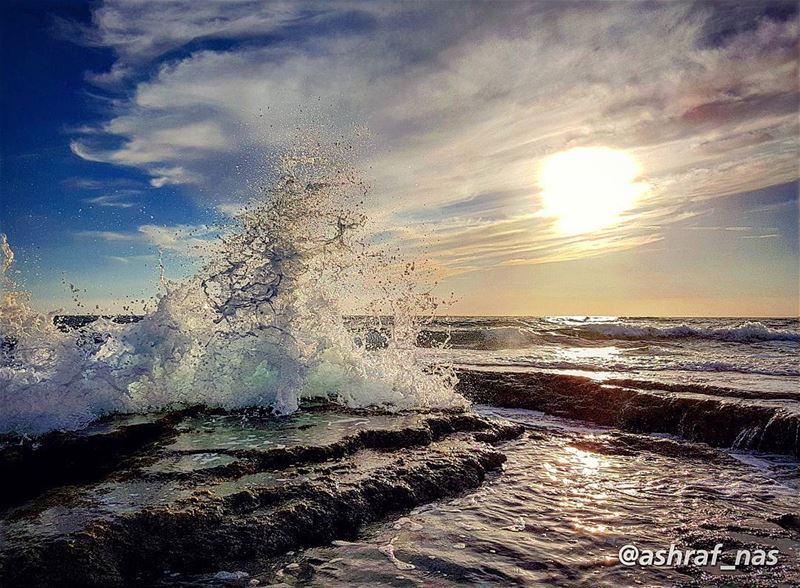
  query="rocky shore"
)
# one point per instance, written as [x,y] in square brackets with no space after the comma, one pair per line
[153,499]
[696,414]
[192,491]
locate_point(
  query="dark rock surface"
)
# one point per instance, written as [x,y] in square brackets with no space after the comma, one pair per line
[192,492]
[789,521]
[717,421]
[60,458]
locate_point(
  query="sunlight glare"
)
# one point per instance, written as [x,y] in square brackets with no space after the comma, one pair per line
[588,188]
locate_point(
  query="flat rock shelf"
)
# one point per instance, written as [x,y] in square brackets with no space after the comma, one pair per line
[193,491]
[703,414]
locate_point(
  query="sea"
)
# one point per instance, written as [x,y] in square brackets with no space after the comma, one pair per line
[573,493]
[264,324]
[749,354]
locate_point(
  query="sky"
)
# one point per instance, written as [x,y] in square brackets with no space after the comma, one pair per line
[129,127]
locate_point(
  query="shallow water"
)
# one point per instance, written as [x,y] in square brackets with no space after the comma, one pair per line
[569,497]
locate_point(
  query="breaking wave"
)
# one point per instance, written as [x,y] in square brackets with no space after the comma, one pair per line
[746,332]
[260,325]
[521,334]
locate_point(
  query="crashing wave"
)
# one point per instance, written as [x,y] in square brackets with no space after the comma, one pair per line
[261,325]
[483,338]
[746,332]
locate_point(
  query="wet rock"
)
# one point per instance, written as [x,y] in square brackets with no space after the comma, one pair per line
[626,444]
[60,458]
[698,389]
[141,521]
[789,521]
[716,421]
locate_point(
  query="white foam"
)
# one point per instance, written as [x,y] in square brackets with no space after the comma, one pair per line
[260,325]
[748,331]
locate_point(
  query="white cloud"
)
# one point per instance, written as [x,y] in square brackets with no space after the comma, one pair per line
[231,209]
[461,104]
[186,240]
[172,176]
[143,29]
[189,241]
[110,201]
[79,149]
[106,235]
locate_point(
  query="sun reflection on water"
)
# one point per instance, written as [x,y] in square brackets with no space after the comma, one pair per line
[578,353]
[589,463]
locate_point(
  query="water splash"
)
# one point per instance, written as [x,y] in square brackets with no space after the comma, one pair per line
[262,324]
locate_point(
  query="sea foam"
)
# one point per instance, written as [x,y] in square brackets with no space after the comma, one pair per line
[260,325]
[746,332]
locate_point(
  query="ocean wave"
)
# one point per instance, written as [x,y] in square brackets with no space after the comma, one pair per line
[750,331]
[483,338]
[482,335]
[260,325]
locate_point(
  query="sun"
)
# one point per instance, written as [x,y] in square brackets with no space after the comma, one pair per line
[588,188]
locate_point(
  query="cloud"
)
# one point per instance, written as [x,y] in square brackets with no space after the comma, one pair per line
[106,235]
[231,209]
[767,236]
[732,229]
[126,259]
[144,29]
[185,240]
[172,175]
[460,105]
[150,145]
[116,184]
[110,201]
[79,149]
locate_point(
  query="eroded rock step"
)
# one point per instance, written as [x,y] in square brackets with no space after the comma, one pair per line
[59,458]
[225,489]
[719,422]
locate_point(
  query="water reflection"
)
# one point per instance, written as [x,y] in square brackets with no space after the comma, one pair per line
[575,354]
[587,463]
[559,513]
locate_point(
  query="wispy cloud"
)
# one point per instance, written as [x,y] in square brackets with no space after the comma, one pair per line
[110,201]
[461,105]
[106,235]
[733,229]
[126,259]
[106,184]
[186,240]
[767,236]
[143,30]
[172,175]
